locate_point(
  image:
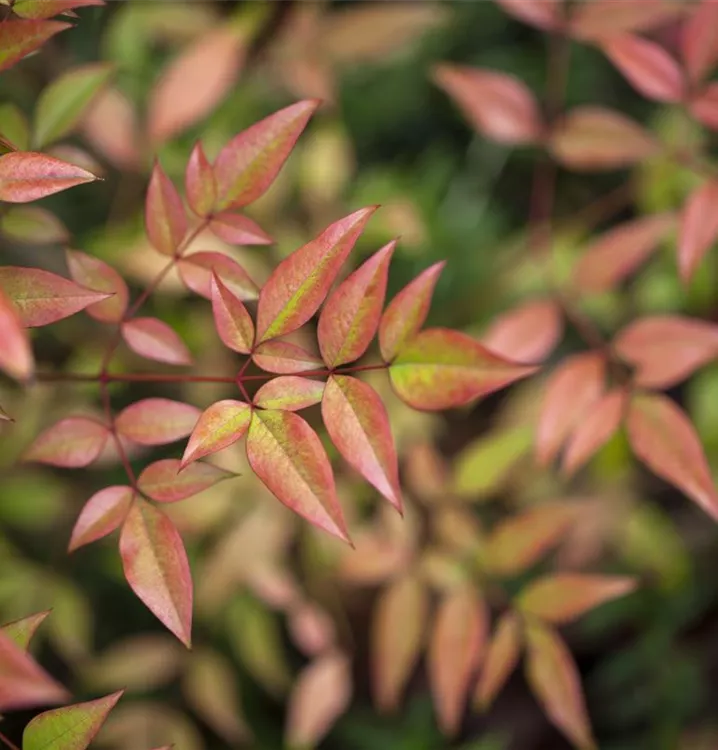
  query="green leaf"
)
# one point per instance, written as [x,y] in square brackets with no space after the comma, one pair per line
[21,631]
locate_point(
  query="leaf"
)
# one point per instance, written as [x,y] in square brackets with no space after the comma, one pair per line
[153,339]
[28,176]
[219,426]
[284,358]
[163,482]
[93,273]
[455,651]
[21,631]
[553,678]
[351,315]
[104,512]
[544,15]
[698,228]
[157,421]
[299,284]
[663,438]
[48,8]
[358,424]
[72,443]
[111,127]
[666,349]
[502,655]
[704,106]
[194,83]
[15,353]
[250,162]
[156,567]
[647,66]
[405,314]
[196,272]
[320,695]
[616,254]
[200,185]
[289,458]
[699,40]
[497,105]
[62,103]
[593,138]
[572,387]
[237,229]
[231,319]
[165,217]
[69,727]
[290,393]
[600,19]
[528,333]
[33,225]
[442,369]
[20,37]
[311,628]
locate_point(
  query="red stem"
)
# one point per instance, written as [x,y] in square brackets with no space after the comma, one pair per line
[6,741]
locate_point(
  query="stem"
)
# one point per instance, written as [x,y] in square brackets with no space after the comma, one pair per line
[6,741]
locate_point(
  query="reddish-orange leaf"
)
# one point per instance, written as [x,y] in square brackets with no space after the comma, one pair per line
[553,677]
[164,482]
[28,176]
[249,163]
[20,37]
[544,15]
[601,19]
[666,349]
[350,316]
[73,443]
[156,567]
[528,333]
[358,425]
[196,271]
[573,386]
[288,456]
[299,284]
[15,352]
[699,40]
[236,229]
[663,438]
[165,217]
[22,631]
[704,106]
[219,426]
[153,339]
[200,186]
[95,274]
[284,358]
[157,421]
[405,314]
[497,105]
[455,651]
[442,369]
[289,392]
[231,319]
[101,515]
[502,655]
[48,8]
[699,228]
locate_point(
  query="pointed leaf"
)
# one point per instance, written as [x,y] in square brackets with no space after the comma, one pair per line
[21,631]
[165,218]
[699,228]
[231,319]
[156,567]
[699,40]
[543,15]
[442,369]
[219,426]
[502,655]
[311,628]
[299,284]
[704,106]
[163,482]
[200,186]
[289,458]
[15,353]
[157,421]
[104,512]
[73,443]
[290,393]
[196,271]
[49,8]
[111,127]
[237,229]
[600,19]
[28,176]
[284,358]
[33,225]
[19,38]
[95,274]
[153,339]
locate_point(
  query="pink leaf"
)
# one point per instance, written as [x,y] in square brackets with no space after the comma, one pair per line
[219,426]
[163,482]
[196,271]
[699,228]
[19,38]
[250,162]
[73,443]
[15,353]
[153,339]
[165,217]
[290,393]
[95,274]
[288,456]
[311,628]
[601,19]
[28,176]
[699,40]
[502,655]
[156,567]
[663,438]
[543,15]
[405,314]
[704,106]
[237,229]
[104,512]
[497,105]
[299,284]
[111,127]
[200,186]
[284,358]
[358,425]
[157,421]
[234,325]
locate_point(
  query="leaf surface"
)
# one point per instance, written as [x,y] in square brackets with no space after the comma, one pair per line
[284,358]
[93,273]
[601,19]
[73,442]
[218,426]
[163,481]
[236,229]
[165,217]
[200,185]
[502,655]
[290,393]
[231,319]
[153,339]
[39,9]
[698,228]
[157,421]
[21,631]
[196,271]
[543,15]
[699,40]
[33,225]
[16,357]
[28,176]
[104,512]
[20,37]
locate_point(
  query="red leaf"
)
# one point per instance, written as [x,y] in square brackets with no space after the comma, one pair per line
[358,425]
[237,229]
[350,316]
[528,333]
[663,438]
[502,655]
[299,284]
[156,567]
[290,393]
[165,218]
[104,512]
[48,8]
[666,349]
[442,369]
[284,358]
[616,254]
[73,443]
[605,18]
[162,480]
[95,274]
[19,38]
[219,426]
[704,106]
[28,176]
[497,105]
[196,271]
[157,421]
[699,40]
[200,186]
[231,319]
[194,83]
[594,138]
[699,228]
[544,15]
[572,387]
[647,66]
[288,456]
[153,339]
[250,162]
[15,353]
[455,651]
